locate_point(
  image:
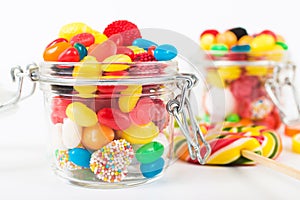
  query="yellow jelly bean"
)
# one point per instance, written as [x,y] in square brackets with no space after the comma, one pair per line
[88,68]
[136,49]
[136,134]
[81,114]
[245,40]
[129,98]
[257,70]
[262,43]
[229,72]
[207,40]
[69,30]
[86,89]
[119,58]
[99,37]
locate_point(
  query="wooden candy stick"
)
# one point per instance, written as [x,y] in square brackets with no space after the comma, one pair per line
[279,167]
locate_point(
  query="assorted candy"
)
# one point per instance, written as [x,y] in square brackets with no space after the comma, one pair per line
[110,129]
[243,63]
[228,144]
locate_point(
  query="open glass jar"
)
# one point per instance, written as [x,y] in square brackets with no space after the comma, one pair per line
[112,129]
[241,77]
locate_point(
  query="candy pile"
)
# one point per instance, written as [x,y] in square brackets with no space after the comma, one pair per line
[243,63]
[228,144]
[110,129]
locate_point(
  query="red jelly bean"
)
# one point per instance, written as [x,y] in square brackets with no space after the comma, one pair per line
[210,31]
[58,40]
[87,39]
[111,89]
[114,118]
[126,51]
[69,55]
[117,73]
[52,52]
[158,110]
[141,114]
[59,105]
[268,32]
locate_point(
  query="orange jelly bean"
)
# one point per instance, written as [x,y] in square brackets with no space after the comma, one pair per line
[52,52]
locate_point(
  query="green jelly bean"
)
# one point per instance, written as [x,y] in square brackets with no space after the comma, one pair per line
[233,118]
[149,152]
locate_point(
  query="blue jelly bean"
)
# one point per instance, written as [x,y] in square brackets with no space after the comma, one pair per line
[143,43]
[241,48]
[81,50]
[165,52]
[150,170]
[80,157]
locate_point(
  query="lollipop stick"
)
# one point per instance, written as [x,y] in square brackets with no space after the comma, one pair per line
[292,172]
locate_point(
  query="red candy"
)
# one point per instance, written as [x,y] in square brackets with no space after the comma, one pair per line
[117,39]
[158,111]
[126,51]
[87,39]
[69,55]
[114,118]
[210,31]
[111,89]
[52,52]
[141,114]
[59,105]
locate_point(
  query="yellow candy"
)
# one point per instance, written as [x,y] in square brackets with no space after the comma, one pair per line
[119,58]
[207,40]
[276,54]
[86,90]
[69,30]
[129,98]
[136,50]
[88,68]
[296,143]
[245,40]
[213,78]
[99,37]
[136,134]
[262,43]
[229,72]
[257,70]
[81,114]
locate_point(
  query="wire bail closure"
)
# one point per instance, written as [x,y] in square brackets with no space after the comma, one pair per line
[180,108]
[17,75]
[283,78]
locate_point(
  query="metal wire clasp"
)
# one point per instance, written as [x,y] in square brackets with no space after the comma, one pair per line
[283,80]
[180,108]
[18,74]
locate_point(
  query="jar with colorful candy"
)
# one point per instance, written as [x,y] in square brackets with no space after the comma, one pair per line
[241,65]
[108,98]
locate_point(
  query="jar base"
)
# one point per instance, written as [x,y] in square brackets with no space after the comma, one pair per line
[85,178]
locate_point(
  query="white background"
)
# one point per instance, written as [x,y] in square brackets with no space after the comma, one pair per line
[27,26]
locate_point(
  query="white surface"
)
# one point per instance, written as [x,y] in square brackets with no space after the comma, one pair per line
[27,26]
[25,171]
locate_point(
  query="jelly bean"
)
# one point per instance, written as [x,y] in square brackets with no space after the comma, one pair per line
[140,134]
[58,40]
[58,106]
[245,40]
[103,50]
[269,32]
[151,50]
[119,58]
[86,39]
[219,49]
[71,134]
[56,134]
[99,37]
[88,68]
[136,50]
[257,70]
[158,111]
[149,152]
[81,50]
[229,72]
[81,114]
[233,118]
[86,90]
[129,98]
[143,43]
[97,136]
[239,32]
[52,52]
[282,44]
[165,52]
[111,89]
[207,40]
[69,30]
[210,31]
[80,157]
[141,114]
[150,170]
[117,39]
[114,118]
[228,38]
[126,51]
[262,43]
[240,48]
[69,55]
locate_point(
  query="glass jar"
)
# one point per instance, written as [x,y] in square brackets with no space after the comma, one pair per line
[115,129]
[240,77]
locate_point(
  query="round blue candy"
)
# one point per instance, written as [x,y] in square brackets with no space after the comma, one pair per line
[80,157]
[143,43]
[241,48]
[165,52]
[150,170]
[81,50]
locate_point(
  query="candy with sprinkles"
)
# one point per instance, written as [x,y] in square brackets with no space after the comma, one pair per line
[110,163]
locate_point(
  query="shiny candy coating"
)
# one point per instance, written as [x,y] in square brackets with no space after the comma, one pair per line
[80,157]
[207,40]
[58,40]
[114,118]
[241,48]
[126,51]
[71,134]
[149,152]
[152,169]
[143,43]
[69,30]
[69,55]
[119,58]
[228,38]
[140,134]
[165,52]
[103,50]
[262,43]
[52,52]
[97,136]
[129,98]
[81,50]
[81,114]
[86,39]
